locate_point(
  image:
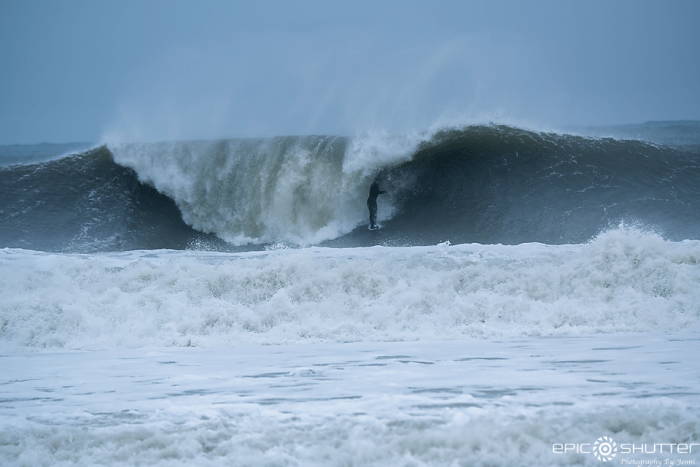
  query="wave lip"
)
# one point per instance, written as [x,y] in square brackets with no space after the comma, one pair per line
[32,153]
[286,189]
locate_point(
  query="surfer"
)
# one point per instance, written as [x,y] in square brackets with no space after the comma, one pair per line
[374,191]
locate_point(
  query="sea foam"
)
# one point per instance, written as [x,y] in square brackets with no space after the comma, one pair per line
[624,280]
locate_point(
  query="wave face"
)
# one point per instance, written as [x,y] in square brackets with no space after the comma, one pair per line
[85,203]
[505,185]
[486,184]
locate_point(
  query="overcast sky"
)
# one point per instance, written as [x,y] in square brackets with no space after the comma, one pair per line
[75,70]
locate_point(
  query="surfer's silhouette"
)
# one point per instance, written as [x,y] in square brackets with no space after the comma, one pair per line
[374,191]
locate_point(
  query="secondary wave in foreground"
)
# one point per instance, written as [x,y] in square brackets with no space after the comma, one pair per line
[622,281]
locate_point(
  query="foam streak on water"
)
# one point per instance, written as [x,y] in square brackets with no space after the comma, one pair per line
[503,402]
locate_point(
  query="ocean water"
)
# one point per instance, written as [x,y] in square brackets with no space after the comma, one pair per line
[532,298]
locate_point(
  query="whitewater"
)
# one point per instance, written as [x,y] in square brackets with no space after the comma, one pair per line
[531,299]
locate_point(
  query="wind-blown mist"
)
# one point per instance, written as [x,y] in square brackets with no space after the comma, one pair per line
[152,71]
[408,68]
[311,87]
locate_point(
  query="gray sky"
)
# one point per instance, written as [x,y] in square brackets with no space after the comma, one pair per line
[73,70]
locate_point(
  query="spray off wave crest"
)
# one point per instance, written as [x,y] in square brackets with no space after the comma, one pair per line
[300,190]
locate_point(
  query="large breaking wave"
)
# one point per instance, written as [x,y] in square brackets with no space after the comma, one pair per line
[485,183]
